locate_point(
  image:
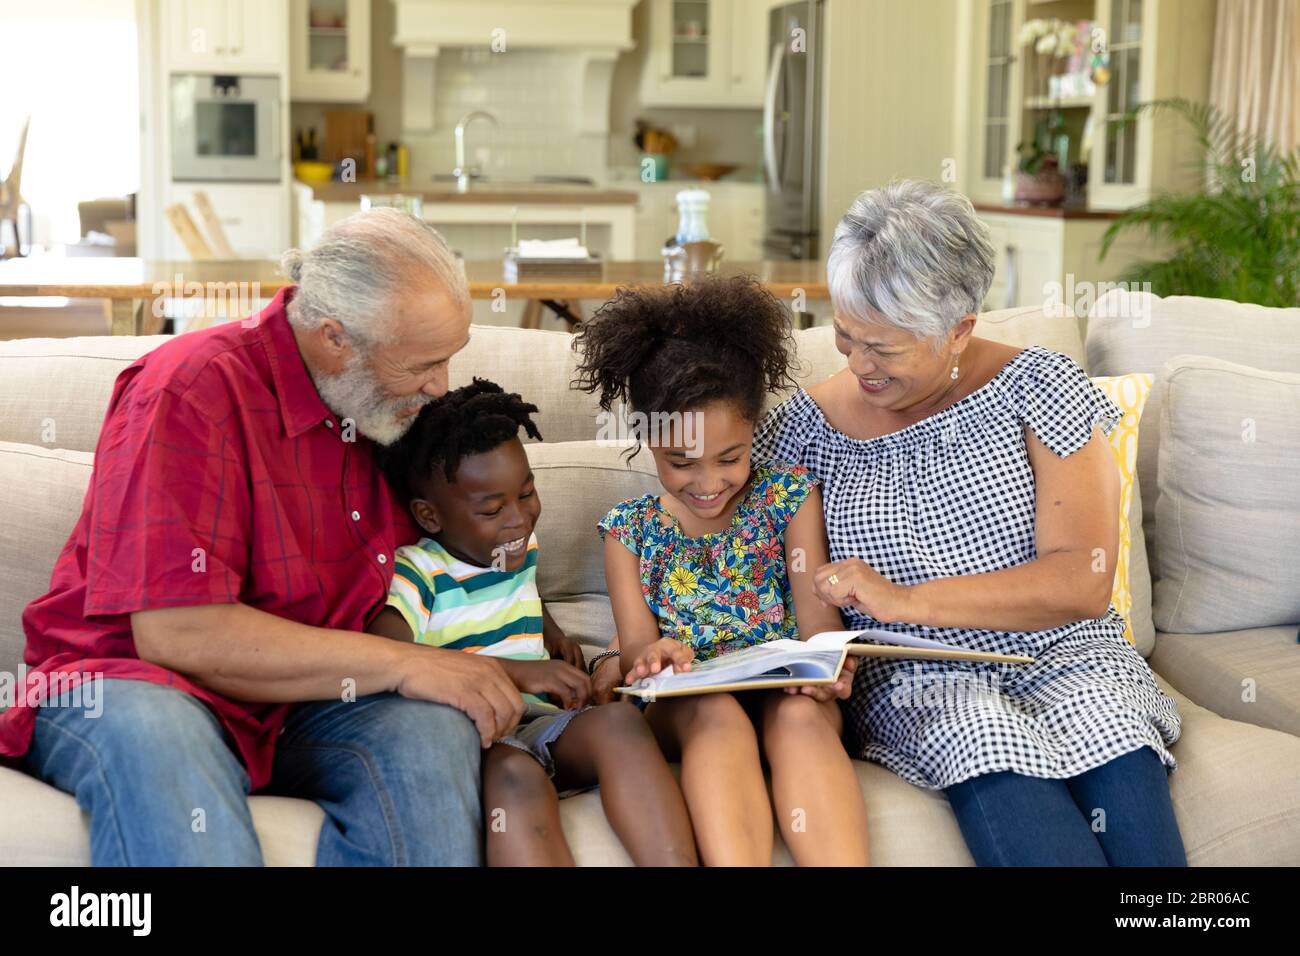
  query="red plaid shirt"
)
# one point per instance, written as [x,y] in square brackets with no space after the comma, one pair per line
[220,476]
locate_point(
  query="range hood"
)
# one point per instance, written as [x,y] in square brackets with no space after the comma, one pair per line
[520,24]
[594,32]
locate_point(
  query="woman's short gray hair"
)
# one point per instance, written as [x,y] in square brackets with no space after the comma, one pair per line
[912,254]
[361,263]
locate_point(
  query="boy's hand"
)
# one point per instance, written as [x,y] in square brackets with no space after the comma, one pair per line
[558,679]
[562,647]
[659,655]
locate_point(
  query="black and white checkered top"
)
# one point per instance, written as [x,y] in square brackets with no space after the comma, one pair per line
[953,494]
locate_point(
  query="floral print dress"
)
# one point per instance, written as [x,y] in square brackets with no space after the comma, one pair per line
[727,589]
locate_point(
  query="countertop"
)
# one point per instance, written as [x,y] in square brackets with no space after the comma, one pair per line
[1047,212]
[512,193]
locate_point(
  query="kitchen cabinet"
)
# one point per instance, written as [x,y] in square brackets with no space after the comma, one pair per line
[329,51]
[1157,49]
[254,216]
[706,53]
[230,35]
[1046,259]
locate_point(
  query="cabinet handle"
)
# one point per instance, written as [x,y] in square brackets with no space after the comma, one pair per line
[1013,280]
[737,78]
[234,49]
[221,50]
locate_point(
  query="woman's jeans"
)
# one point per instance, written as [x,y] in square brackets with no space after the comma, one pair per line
[398,779]
[1118,814]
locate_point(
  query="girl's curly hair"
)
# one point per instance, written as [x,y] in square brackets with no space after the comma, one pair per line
[469,420]
[677,347]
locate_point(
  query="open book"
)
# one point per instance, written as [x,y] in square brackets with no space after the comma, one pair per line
[787,663]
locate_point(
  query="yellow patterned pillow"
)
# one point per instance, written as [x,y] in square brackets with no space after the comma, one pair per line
[1130,393]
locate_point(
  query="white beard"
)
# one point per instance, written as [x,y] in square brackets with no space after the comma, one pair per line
[354,394]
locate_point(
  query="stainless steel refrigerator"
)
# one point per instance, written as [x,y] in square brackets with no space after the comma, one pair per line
[792,130]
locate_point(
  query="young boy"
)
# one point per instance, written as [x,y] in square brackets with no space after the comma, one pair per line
[470,585]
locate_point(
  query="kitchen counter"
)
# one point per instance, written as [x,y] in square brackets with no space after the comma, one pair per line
[506,193]
[1047,212]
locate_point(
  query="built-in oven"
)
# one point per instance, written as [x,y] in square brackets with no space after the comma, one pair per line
[225,127]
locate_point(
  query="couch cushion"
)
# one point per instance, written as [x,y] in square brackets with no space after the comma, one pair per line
[1139,332]
[1129,393]
[1251,675]
[577,482]
[55,391]
[1236,795]
[42,826]
[41,492]
[1228,512]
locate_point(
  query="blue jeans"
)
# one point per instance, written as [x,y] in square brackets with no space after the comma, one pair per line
[398,779]
[1118,814]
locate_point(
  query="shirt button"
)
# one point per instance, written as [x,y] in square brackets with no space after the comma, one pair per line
[356,516]
[328,423]
[383,559]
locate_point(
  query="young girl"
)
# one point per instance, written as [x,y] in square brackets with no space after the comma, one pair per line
[701,569]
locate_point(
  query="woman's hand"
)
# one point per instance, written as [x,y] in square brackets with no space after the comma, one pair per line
[842,689]
[659,655]
[855,584]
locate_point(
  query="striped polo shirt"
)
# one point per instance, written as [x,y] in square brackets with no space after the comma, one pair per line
[458,606]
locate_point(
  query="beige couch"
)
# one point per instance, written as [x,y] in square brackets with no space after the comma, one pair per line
[1236,792]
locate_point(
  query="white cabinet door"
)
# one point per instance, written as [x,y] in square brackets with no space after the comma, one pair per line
[256,33]
[747,66]
[330,63]
[198,34]
[1029,258]
[233,35]
[254,217]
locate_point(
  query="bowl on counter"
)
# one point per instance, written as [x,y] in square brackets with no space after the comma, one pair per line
[312,172]
[709,171]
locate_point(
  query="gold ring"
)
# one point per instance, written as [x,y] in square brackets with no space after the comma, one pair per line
[834,579]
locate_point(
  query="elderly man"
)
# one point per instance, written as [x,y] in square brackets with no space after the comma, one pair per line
[235,540]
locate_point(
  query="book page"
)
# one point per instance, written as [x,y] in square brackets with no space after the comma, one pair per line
[878,636]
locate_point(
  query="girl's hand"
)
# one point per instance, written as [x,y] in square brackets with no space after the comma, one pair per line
[607,677]
[855,584]
[842,689]
[558,679]
[659,655]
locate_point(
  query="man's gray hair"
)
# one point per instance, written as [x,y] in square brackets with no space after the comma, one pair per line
[361,264]
[912,254]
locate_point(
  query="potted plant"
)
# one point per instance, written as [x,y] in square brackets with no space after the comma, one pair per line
[1239,237]
[1038,180]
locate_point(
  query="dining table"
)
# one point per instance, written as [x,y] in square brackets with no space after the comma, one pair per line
[136,291]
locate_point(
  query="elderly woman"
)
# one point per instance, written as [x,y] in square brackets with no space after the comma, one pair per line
[970,497]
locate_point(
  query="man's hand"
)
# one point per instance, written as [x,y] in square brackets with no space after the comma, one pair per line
[477,685]
[659,655]
[558,679]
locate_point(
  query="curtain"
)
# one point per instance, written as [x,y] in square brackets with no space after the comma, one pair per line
[1255,75]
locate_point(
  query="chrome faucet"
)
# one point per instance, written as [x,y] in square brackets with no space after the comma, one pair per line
[461,173]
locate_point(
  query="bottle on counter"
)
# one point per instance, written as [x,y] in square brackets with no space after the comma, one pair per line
[692,216]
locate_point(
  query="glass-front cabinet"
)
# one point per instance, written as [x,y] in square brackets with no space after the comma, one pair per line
[329,50]
[706,53]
